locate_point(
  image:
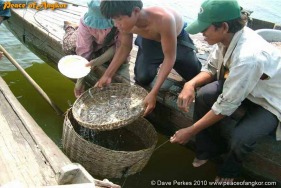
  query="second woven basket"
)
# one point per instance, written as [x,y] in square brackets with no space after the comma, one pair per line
[107,162]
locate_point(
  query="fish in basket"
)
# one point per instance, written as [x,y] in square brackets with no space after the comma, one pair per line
[110,107]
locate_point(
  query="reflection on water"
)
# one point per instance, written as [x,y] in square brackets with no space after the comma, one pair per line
[262,9]
[19,51]
[268,10]
[57,87]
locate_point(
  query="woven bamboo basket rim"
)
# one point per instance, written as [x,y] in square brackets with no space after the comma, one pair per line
[102,96]
[152,145]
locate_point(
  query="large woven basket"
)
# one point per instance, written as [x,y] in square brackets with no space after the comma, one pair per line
[105,162]
[109,108]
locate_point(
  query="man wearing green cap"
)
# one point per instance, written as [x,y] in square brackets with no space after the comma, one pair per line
[239,100]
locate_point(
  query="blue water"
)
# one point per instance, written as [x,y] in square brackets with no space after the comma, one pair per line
[268,10]
[19,52]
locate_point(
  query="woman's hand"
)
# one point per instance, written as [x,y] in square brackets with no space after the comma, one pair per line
[186,97]
[91,63]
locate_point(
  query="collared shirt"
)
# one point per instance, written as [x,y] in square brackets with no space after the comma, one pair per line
[247,58]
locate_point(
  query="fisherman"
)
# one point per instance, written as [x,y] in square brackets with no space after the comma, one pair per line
[4,15]
[94,39]
[161,40]
[241,82]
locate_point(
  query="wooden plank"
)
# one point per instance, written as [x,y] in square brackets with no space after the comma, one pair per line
[53,155]
[20,157]
[27,154]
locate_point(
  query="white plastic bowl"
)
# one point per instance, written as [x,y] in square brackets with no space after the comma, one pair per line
[270,35]
[73,66]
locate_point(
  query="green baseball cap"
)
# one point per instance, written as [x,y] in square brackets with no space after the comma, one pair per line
[214,11]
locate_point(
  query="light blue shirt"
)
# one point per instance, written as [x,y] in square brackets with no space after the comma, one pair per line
[248,57]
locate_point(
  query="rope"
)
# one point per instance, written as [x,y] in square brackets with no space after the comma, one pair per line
[162,144]
[30,80]
[142,159]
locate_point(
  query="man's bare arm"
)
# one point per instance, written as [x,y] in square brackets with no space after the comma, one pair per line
[168,41]
[182,136]
[201,79]
[169,46]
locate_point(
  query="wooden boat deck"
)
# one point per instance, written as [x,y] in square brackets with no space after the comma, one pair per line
[28,157]
[42,32]
[20,156]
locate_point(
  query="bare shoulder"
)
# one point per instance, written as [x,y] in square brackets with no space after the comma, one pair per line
[163,17]
[162,12]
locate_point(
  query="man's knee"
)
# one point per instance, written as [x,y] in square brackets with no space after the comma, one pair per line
[209,93]
[143,79]
[203,97]
[241,144]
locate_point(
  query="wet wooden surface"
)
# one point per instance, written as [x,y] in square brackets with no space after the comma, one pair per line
[21,157]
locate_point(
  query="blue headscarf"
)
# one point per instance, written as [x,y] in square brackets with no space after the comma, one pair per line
[4,13]
[93,18]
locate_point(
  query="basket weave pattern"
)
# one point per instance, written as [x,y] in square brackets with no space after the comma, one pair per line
[101,97]
[100,161]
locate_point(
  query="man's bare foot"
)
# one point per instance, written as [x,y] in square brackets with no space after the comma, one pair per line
[197,162]
[67,24]
[219,179]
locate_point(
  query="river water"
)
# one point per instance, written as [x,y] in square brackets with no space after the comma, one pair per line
[168,163]
[268,10]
